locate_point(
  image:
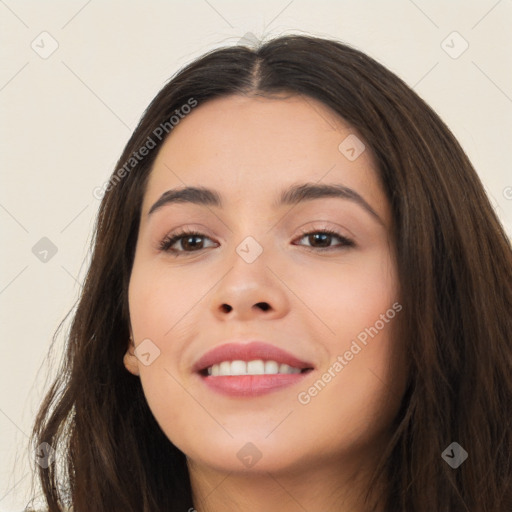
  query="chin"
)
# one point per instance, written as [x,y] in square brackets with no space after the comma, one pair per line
[245,453]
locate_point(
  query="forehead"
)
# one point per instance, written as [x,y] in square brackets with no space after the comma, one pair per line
[250,148]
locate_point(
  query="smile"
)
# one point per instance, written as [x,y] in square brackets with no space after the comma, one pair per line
[250,369]
[255,367]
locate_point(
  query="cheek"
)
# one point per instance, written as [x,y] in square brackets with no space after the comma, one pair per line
[357,406]
[356,395]
[159,305]
[349,296]
[364,374]
[160,301]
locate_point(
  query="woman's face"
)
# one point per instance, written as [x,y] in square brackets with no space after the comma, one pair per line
[261,283]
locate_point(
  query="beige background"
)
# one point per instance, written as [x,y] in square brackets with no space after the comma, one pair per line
[66,117]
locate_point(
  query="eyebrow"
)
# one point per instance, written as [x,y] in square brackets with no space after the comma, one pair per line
[292,196]
[195,195]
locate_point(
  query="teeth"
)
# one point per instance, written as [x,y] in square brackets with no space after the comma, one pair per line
[236,368]
[256,367]
[284,368]
[224,368]
[271,367]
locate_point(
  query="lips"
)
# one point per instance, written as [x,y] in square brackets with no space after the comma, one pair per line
[250,369]
[255,350]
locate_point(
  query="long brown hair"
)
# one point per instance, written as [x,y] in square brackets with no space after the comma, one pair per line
[455,273]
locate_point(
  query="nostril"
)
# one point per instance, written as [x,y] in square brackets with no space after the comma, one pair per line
[263,305]
[226,308]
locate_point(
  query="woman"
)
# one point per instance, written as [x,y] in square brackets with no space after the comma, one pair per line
[299,299]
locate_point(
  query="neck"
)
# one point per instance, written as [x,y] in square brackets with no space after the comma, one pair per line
[323,488]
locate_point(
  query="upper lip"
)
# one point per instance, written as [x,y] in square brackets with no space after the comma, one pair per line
[248,351]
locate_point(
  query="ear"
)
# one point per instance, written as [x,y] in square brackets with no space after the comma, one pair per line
[131,363]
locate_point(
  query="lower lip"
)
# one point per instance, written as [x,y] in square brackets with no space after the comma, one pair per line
[251,385]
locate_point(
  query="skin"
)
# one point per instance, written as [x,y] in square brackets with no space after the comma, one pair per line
[316,456]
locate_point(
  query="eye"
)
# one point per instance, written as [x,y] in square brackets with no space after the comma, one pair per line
[185,241]
[193,241]
[322,240]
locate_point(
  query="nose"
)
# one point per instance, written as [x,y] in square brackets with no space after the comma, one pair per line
[249,291]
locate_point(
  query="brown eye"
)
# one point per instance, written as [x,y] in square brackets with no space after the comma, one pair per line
[320,240]
[192,242]
[184,242]
[323,240]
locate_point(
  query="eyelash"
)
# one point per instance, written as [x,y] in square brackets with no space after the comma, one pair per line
[166,244]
